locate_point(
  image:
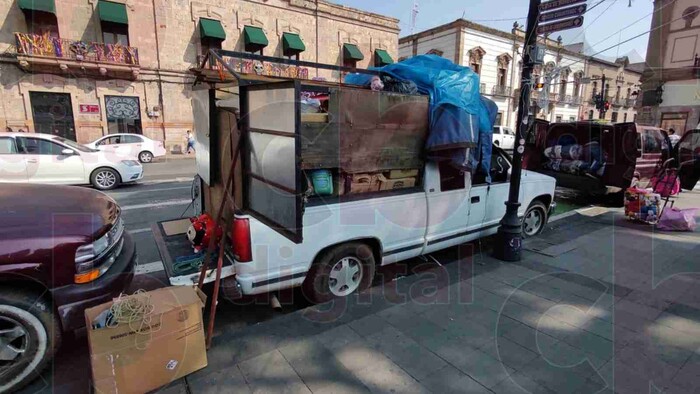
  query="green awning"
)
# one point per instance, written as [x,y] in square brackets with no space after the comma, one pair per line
[254,38]
[352,52]
[112,12]
[382,57]
[37,5]
[292,44]
[209,28]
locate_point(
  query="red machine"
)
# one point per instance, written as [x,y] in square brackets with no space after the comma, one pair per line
[202,229]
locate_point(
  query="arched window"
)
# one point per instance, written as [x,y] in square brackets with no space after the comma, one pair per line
[689,14]
[578,75]
[503,63]
[563,80]
[476,56]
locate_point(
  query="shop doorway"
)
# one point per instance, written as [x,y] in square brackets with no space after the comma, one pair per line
[123,114]
[53,114]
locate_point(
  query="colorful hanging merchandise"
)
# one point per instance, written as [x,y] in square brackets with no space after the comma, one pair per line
[642,205]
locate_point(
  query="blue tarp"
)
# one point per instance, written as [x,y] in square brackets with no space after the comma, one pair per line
[459,117]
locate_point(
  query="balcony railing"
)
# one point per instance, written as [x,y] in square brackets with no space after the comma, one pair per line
[630,102]
[500,90]
[55,47]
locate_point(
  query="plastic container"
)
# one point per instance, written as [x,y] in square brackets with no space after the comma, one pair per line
[323,182]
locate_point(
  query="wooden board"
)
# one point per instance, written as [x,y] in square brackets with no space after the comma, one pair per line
[369,131]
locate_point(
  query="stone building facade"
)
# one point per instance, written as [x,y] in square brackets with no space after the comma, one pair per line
[86,68]
[496,56]
[622,89]
[671,79]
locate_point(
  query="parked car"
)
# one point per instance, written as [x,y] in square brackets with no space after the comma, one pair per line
[45,158]
[345,239]
[130,145]
[687,155]
[503,137]
[58,256]
[596,158]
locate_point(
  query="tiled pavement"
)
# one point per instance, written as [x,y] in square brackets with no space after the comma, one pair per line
[554,322]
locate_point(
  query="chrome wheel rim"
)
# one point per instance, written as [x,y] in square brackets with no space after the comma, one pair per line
[105,179]
[345,276]
[532,222]
[145,157]
[14,341]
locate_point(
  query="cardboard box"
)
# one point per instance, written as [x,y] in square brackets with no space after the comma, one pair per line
[357,183]
[126,361]
[392,184]
[398,174]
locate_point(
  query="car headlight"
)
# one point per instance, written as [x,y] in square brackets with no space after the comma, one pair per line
[90,252]
[131,163]
[89,261]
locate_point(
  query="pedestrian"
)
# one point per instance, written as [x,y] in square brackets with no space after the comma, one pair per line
[190,142]
[8,129]
[673,137]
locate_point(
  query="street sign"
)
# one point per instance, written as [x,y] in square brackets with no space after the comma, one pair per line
[585,80]
[89,109]
[537,54]
[566,24]
[565,13]
[554,4]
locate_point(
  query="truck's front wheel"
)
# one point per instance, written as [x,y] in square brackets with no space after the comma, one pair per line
[339,272]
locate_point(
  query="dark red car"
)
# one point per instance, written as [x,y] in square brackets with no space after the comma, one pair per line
[611,154]
[62,249]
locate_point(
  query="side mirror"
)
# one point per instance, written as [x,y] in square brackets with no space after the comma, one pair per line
[67,152]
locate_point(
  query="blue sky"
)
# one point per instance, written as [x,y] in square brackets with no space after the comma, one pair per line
[600,29]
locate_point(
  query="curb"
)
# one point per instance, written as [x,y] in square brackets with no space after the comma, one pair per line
[572,213]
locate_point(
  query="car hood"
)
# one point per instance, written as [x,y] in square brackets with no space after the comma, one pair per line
[68,212]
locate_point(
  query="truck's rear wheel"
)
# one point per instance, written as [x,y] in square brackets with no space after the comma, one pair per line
[29,337]
[339,272]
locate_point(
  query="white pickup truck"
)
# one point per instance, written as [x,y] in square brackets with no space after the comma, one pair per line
[285,232]
[344,242]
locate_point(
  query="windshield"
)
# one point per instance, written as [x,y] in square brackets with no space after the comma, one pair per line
[74,144]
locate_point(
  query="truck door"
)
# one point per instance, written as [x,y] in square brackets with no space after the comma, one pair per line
[448,206]
[273,183]
[687,153]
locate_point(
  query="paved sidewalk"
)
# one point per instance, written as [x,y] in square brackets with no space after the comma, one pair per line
[598,304]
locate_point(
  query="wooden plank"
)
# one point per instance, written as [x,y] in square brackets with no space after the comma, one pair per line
[370,131]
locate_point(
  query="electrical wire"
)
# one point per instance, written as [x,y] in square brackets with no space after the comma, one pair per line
[136,311]
[633,23]
[623,42]
[596,18]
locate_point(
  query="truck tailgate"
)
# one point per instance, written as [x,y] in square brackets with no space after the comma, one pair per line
[174,249]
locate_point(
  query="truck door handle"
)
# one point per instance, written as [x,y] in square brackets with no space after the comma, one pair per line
[475,199]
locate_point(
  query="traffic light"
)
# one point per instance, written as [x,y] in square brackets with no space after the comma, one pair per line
[598,101]
[607,105]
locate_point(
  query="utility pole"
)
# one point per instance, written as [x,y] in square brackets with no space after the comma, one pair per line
[603,97]
[509,237]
